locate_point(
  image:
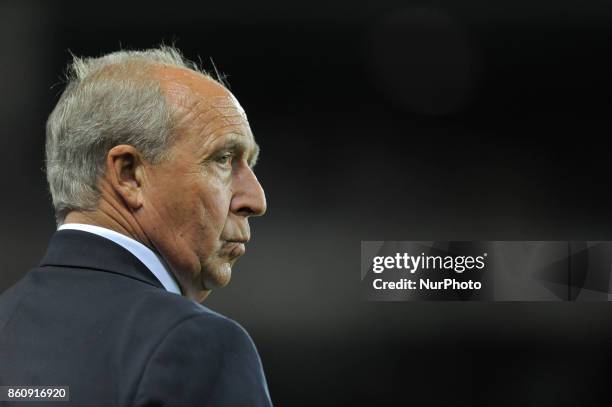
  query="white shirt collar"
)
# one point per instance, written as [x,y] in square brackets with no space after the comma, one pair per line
[151,260]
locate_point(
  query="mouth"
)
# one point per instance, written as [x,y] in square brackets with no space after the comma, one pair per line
[233,248]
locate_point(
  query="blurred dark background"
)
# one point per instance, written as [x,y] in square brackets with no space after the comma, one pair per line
[430,120]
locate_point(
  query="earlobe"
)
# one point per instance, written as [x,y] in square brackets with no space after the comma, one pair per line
[125,172]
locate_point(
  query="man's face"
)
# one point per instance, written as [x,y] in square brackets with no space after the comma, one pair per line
[198,201]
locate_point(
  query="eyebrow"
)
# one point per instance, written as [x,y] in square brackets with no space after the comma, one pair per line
[254,155]
[236,143]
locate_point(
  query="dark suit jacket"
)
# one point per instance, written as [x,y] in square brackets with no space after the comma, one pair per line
[94,318]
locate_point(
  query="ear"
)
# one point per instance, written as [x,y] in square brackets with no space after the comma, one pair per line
[125,173]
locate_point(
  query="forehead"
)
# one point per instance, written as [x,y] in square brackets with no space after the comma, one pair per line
[203,105]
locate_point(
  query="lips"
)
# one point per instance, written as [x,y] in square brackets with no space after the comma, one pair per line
[234,249]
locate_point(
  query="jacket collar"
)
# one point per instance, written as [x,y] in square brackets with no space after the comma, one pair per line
[74,248]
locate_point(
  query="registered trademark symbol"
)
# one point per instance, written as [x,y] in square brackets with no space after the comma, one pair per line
[485,254]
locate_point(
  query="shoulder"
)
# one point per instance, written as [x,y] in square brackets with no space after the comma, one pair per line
[187,320]
[160,318]
[203,358]
[176,314]
[207,336]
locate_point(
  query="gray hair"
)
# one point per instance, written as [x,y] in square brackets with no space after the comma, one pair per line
[109,100]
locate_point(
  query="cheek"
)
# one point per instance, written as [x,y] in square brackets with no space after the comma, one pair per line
[176,206]
[194,209]
[200,207]
[215,202]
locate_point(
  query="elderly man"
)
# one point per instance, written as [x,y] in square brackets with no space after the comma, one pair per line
[150,167]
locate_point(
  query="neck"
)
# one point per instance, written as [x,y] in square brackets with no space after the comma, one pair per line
[111,217]
[120,224]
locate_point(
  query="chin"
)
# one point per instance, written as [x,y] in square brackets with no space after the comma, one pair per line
[219,277]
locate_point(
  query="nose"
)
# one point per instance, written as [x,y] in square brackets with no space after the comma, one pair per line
[249,198]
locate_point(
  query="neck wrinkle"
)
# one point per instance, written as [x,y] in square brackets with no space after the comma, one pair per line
[111,217]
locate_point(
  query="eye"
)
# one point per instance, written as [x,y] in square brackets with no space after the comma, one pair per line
[225,159]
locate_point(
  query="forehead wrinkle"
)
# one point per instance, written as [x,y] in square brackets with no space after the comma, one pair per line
[205,112]
[211,112]
[219,123]
[186,109]
[206,124]
[234,135]
[223,104]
